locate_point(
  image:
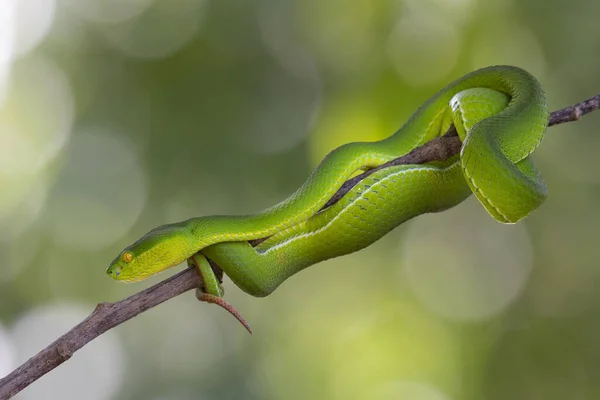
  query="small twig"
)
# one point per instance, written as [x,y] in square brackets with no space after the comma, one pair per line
[575,112]
[108,315]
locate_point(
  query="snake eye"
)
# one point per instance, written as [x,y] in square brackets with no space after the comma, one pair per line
[127,257]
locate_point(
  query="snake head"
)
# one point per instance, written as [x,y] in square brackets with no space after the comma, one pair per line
[158,250]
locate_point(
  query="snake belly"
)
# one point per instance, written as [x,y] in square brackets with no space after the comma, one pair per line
[500,115]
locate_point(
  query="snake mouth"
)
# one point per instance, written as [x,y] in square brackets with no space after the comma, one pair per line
[115,271]
[116,274]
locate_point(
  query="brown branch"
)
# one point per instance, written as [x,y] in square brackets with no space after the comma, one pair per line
[575,112]
[108,315]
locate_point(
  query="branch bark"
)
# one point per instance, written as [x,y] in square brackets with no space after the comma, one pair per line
[108,315]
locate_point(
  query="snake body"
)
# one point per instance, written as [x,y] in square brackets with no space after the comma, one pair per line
[500,115]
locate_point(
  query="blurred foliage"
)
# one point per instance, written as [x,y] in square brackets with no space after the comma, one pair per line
[118,116]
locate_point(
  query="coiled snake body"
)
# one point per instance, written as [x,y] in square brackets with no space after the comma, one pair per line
[500,115]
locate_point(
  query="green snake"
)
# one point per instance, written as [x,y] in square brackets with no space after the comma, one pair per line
[500,115]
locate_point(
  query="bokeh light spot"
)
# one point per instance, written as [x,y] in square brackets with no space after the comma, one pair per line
[16,254]
[343,34]
[33,20]
[509,45]
[108,11]
[459,12]
[21,207]
[283,114]
[6,44]
[283,40]
[35,123]
[100,193]
[463,264]
[342,122]
[36,116]
[95,372]
[160,31]
[355,347]
[407,391]
[424,49]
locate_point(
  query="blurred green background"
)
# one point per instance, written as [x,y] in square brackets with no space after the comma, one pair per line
[118,116]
